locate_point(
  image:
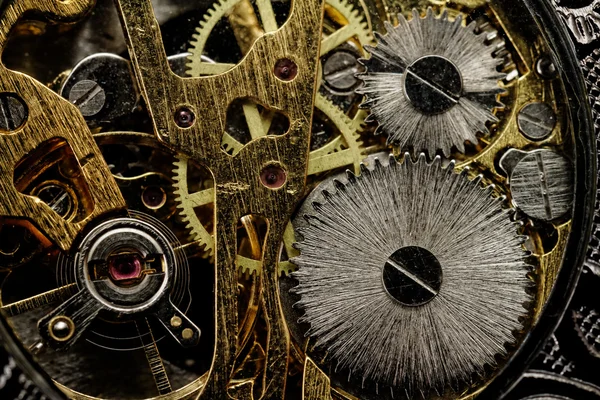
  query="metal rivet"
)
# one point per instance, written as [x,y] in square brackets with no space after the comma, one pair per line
[61,328]
[88,96]
[176,322]
[537,121]
[187,334]
[546,68]
[13,112]
[412,276]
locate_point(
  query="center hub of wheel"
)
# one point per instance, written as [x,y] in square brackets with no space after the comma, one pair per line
[125,267]
[433,84]
[412,276]
[126,264]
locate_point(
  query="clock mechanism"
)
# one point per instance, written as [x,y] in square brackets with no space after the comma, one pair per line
[299,199]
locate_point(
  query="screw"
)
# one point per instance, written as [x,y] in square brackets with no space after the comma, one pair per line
[546,68]
[412,276]
[61,328]
[286,69]
[537,121]
[176,321]
[273,176]
[339,71]
[57,198]
[88,96]
[541,184]
[184,117]
[433,85]
[13,112]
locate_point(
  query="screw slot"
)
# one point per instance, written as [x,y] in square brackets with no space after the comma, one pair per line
[13,112]
[537,121]
[273,176]
[412,276]
[58,198]
[88,96]
[286,69]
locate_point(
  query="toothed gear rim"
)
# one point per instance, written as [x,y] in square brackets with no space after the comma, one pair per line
[356,23]
[414,53]
[351,235]
[347,147]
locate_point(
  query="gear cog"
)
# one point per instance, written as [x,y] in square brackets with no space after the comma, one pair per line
[342,148]
[432,83]
[355,26]
[345,150]
[396,262]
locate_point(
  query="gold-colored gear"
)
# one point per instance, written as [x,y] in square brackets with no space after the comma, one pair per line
[345,150]
[354,24]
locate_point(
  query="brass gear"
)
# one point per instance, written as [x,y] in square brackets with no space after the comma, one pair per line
[356,26]
[344,150]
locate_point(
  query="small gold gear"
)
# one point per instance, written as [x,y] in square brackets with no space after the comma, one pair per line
[345,150]
[354,23]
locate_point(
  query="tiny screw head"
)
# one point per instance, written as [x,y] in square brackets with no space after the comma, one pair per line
[184,117]
[537,121]
[13,112]
[286,69]
[545,68]
[57,198]
[61,328]
[339,71]
[88,96]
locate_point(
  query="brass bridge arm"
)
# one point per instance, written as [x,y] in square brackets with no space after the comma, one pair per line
[238,187]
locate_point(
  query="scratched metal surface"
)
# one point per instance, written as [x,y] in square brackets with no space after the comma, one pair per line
[567,367]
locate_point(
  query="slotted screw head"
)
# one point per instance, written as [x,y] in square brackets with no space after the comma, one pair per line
[88,96]
[13,112]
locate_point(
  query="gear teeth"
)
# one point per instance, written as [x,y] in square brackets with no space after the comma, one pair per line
[394,121]
[349,129]
[312,241]
[186,212]
[220,8]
